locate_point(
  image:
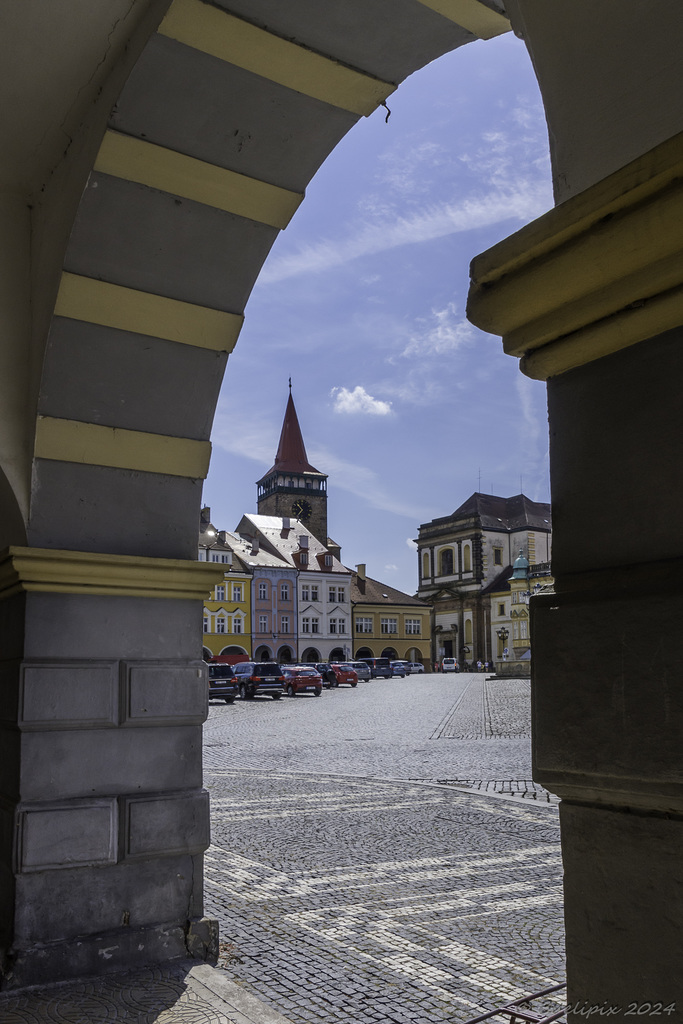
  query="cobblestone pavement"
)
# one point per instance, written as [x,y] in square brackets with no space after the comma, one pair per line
[351,884]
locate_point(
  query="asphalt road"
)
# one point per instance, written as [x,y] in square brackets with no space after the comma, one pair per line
[365,863]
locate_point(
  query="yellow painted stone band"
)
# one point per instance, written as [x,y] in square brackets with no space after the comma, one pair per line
[97,445]
[481,21]
[600,272]
[247,46]
[84,572]
[111,305]
[148,164]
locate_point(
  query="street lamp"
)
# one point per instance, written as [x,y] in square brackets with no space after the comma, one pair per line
[503,633]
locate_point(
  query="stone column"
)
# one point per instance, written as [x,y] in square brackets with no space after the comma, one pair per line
[591,297]
[104,819]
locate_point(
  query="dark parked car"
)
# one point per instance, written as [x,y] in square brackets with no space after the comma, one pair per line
[259,677]
[302,679]
[222,683]
[379,667]
[400,668]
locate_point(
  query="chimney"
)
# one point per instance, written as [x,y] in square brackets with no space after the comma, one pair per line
[254,545]
[286,523]
[360,571]
[303,542]
[205,515]
[223,536]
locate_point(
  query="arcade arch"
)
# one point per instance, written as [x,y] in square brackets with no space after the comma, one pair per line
[121,235]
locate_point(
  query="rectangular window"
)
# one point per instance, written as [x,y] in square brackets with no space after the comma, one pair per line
[523,629]
[220,593]
[237,625]
[263,623]
[515,630]
[305,594]
[284,624]
[389,625]
[303,557]
[305,625]
[315,625]
[341,595]
[263,591]
[328,560]
[237,592]
[314,593]
[497,556]
[501,609]
[413,626]
[363,625]
[220,625]
[206,625]
[333,625]
[342,625]
[284,592]
[332,595]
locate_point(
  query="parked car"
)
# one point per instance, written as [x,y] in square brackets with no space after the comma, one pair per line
[344,672]
[379,667]
[222,683]
[399,668]
[449,665]
[416,666]
[259,677]
[362,670]
[302,679]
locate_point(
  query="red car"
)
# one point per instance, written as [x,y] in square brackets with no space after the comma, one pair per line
[302,679]
[344,673]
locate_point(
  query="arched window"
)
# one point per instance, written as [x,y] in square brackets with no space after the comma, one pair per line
[425,566]
[468,631]
[467,558]
[446,562]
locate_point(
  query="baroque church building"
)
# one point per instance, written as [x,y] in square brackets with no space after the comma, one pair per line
[466,558]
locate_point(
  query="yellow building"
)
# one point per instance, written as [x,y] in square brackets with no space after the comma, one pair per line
[227,613]
[386,622]
[509,614]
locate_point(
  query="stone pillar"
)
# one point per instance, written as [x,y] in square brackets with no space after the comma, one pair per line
[590,296]
[104,819]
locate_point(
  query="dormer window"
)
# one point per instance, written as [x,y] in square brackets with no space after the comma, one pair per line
[328,560]
[303,557]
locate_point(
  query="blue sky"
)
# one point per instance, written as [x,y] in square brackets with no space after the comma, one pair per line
[406,406]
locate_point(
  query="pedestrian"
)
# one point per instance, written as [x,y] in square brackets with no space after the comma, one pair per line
[436,666]
[479,666]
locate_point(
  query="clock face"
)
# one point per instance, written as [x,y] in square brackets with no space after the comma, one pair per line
[302,509]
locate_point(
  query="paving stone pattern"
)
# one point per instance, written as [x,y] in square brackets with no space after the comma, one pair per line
[351,886]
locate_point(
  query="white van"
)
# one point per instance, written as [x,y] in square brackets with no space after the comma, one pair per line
[449,665]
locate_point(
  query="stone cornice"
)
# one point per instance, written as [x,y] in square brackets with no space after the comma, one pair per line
[597,274]
[84,572]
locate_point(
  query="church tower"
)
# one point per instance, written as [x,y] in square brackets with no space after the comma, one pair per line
[293,487]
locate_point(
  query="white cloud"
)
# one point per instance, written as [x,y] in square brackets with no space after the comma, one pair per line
[411,543]
[442,333]
[359,401]
[391,567]
[519,200]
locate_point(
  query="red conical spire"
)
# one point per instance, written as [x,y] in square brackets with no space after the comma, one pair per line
[291,454]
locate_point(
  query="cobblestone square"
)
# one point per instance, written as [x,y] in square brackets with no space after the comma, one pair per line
[356,869]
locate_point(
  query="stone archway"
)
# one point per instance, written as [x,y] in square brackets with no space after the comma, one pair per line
[131,241]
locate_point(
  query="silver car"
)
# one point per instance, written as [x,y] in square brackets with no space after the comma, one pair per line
[362,670]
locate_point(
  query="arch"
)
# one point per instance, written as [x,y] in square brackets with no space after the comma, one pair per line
[285,655]
[390,652]
[337,654]
[233,649]
[415,654]
[425,566]
[467,558]
[468,631]
[446,557]
[591,66]
[364,652]
[207,655]
[311,655]
[263,653]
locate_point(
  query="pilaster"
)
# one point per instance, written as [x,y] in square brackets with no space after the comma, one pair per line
[104,818]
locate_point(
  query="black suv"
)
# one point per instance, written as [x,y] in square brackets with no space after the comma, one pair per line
[222,683]
[256,677]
